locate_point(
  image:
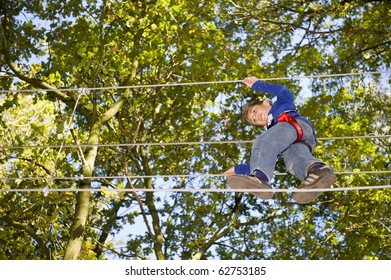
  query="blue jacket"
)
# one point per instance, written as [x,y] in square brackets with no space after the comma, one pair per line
[284,103]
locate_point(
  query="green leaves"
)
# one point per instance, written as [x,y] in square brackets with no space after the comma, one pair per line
[123,43]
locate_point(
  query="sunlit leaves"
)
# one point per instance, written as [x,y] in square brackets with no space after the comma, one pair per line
[84,44]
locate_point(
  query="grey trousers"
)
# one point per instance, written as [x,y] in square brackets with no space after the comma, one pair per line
[280,139]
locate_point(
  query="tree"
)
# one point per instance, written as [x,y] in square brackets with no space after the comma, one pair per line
[99,48]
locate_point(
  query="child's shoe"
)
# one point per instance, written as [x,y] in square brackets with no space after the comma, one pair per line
[250,182]
[320,178]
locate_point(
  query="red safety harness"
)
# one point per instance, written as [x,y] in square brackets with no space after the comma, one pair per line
[286,117]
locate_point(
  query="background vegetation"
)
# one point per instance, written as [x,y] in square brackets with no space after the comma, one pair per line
[46,46]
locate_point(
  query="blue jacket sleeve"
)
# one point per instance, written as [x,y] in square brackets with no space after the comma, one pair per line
[243,169]
[285,99]
[283,94]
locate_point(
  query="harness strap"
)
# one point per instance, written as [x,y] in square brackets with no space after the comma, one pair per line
[285,117]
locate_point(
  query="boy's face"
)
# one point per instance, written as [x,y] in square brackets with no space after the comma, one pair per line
[257,114]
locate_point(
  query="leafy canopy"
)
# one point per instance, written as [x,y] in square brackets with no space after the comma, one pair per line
[96,48]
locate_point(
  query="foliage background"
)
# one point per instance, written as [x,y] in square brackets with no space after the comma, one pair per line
[51,45]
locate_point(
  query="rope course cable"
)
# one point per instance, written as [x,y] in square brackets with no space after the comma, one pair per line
[97,178]
[203,83]
[180,143]
[48,190]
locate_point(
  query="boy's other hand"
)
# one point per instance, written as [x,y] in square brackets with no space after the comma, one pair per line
[229,172]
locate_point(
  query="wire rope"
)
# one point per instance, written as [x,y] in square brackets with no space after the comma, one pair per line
[204,83]
[179,143]
[169,176]
[48,190]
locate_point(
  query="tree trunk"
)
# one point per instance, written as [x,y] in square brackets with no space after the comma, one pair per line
[83,198]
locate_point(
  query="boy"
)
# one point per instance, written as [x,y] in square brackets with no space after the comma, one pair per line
[286,132]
